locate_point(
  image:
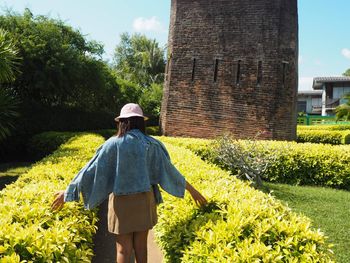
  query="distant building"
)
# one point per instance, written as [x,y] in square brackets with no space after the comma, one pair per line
[333,89]
[327,94]
[310,102]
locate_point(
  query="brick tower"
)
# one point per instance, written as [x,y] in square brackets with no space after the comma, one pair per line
[232,67]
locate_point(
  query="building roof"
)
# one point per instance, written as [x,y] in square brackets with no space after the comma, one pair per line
[319,81]
[310,92]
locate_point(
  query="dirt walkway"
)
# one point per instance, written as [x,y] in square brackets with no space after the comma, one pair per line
[104,249]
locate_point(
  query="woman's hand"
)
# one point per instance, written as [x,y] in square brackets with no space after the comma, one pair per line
[58,203]
[198,198]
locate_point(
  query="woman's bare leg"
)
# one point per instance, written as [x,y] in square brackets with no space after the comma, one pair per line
[124,247]
[140,246]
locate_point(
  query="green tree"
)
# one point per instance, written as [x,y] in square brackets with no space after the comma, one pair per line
[139,63]
[59,67]
[8,113]
[139,60]
[8,58]
[343,110]
[150,101]
[347,73]
[9,62]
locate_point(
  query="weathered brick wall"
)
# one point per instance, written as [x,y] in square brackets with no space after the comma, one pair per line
[252,45]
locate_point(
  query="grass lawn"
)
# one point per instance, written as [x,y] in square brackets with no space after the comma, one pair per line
[329,210]
[9,172]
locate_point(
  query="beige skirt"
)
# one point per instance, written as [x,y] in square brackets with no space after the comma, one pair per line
[131,213]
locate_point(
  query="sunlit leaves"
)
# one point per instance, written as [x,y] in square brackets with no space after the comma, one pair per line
[29,229]
[246,225]
[299,164]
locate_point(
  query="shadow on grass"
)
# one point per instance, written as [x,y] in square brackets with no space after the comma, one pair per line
[329,210]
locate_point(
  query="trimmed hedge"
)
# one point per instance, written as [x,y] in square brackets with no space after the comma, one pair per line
[340,127]
[296,163]
[239,225]
[332,134]
[42,144]
[29,230]
[324,136]
[36,119]
[45,143]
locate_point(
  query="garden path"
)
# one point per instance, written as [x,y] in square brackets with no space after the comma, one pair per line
[104,241]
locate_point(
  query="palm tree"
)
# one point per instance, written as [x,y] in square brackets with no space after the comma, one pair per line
[152,61]
[8,69]
[8,113]
[343,110]
[8,58]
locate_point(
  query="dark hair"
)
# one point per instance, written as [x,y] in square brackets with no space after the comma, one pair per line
[127,124]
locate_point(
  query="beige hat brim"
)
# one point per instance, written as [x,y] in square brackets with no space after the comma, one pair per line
[130,115]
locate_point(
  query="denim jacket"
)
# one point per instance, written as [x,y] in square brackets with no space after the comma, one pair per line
[125,165]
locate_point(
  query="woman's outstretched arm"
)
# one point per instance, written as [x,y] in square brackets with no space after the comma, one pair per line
[198,198]
[58,203]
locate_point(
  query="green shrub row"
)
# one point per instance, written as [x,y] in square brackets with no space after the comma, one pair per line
[42,144]
[45,143]
[36,119]
[295,163]
[239,225]
[324,136]
[29,230]
[340,127]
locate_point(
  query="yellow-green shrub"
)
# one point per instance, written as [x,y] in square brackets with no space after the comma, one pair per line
[240,225]
[340,127]
[29,230]
[295,163]
[324,136]
[43,144]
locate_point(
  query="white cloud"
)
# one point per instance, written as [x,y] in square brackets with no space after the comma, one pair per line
[147,24]
[305,83]
[346,52]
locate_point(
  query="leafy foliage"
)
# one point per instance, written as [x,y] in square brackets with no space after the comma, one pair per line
[324,136]
[8,113]
[347,73]
[139,60]
[9,59]
[326,207]
[332,134]
[139,63]
[150,101]
[341,127]
[248,162]
[240,225]
[343,110]
[299,164]
[43,144]
[29,230]
[59,66]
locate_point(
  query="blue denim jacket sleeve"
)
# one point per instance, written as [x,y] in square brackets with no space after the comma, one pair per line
[73,190]
[166,174]
[95,181]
